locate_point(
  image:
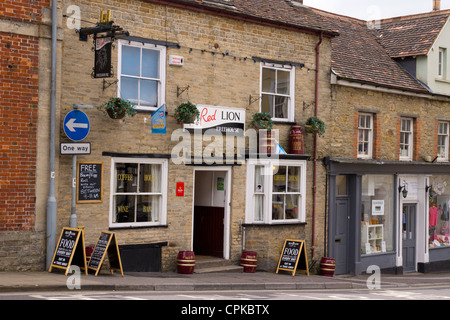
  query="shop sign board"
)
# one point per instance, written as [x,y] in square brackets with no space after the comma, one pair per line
[69,250]
[106,244]
[89,182]
[75,148]
[293,253]
[221,120]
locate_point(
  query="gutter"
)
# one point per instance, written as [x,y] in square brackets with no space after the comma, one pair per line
[359,84]
[316,107]
[51,201]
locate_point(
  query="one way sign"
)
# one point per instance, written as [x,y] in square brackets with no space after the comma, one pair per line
[76,125]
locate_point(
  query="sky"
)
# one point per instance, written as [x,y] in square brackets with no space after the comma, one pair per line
[375,9]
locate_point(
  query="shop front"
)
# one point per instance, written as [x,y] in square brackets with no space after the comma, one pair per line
[390,214]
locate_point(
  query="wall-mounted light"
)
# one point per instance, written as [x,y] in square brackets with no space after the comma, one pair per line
[403,189]
[430,190]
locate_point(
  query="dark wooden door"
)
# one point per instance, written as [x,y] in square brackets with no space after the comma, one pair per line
[409,237]
[208,231]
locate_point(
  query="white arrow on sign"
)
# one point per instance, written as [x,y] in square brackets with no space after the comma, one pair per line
[71,125]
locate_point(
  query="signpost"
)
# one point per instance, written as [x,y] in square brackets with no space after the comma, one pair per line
[293,250]
[70,250]
[75,148]
[76,125]
[107,243]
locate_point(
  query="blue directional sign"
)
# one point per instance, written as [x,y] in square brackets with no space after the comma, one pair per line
[76,125]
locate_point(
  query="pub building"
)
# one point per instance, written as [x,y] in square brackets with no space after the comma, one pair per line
[214,187]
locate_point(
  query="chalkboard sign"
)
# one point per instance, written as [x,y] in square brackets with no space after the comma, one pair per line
[293,251]
[89,182]
[70,250]
[106,244]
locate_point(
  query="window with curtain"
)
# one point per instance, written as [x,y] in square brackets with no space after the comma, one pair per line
[142,74]
[139,193]
[443,138]
[406,139]
[277,91]
[365,135]
[276,191]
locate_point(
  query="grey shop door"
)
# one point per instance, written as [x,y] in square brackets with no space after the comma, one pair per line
[341,236]
[409,237]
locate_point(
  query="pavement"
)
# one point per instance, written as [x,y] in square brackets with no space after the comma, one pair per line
[172,281]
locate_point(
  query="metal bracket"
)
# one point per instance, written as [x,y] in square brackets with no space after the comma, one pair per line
[252,100]
[107,84]
[181,90]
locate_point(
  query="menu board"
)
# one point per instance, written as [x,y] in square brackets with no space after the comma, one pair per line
[70,250]
[293,251]
[89,182]
[106,244]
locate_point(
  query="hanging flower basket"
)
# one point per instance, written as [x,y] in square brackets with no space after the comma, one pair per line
[262,120]
[315,125]
[186,113]
[117,108]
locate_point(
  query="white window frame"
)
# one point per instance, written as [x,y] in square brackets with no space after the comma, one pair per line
[162,72]
[410,134]
[369,137]
[443,139]
[290,96]
[267,191]
[441,63]
[163,204]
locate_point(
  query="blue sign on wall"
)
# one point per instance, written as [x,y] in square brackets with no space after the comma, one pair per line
[76,125]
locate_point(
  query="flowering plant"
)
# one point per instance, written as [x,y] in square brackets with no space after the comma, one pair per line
[118,108]
[262,120]
[186,112]
[315,125]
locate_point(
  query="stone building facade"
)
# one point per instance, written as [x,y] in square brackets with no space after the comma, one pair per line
[224,49]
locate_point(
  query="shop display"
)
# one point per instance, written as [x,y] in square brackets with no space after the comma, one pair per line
[439,205]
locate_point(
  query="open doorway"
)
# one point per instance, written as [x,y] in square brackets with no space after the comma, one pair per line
[211,212]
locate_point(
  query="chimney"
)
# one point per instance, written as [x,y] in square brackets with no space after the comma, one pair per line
[436,5]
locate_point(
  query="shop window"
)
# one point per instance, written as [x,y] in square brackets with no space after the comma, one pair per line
[406,138]
[439,205]
[139,192]
[142,74]
[443,138]
[377,214]
[277,91]
[365,135]
[276,192]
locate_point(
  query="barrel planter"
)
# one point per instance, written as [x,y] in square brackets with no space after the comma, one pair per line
[327,267]
[249,261]
[186,262]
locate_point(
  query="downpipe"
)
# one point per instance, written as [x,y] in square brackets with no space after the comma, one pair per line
[51,201]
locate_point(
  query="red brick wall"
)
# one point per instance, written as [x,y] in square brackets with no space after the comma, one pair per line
[24,10]
[18,119]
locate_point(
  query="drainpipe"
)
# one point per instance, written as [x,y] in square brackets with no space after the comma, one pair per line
[316,99]
[51,201]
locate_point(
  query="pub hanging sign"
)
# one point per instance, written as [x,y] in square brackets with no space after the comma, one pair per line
[102,65]
[105,33]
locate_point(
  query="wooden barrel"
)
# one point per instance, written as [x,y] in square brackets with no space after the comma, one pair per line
[327,267]
[186,262]
[249,261]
